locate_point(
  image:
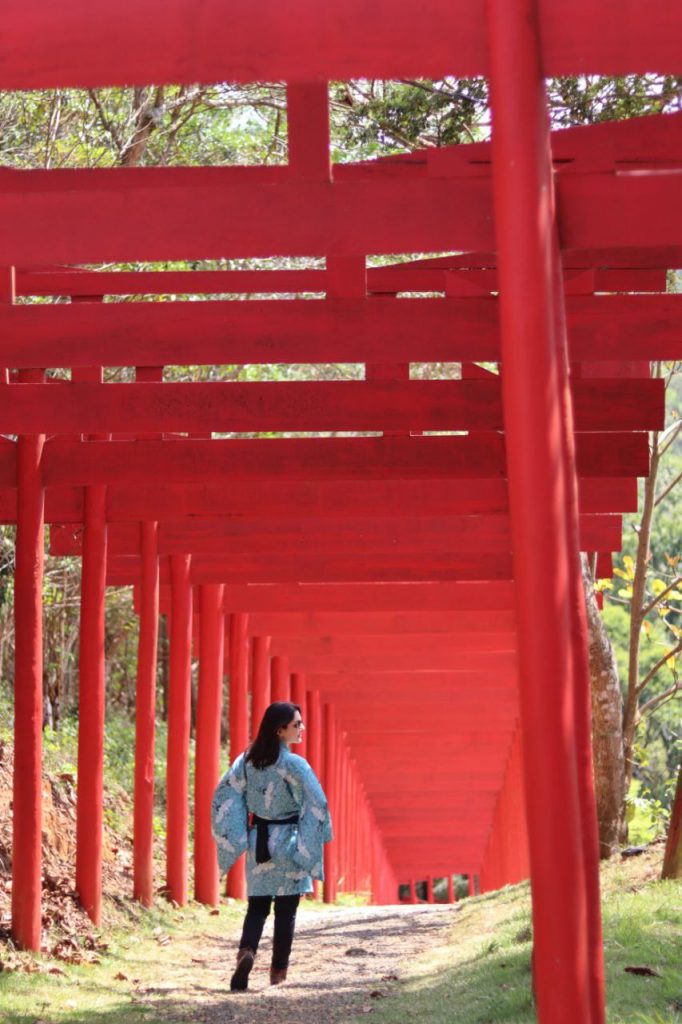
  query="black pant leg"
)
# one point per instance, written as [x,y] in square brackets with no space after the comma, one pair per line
[257,911]
[285,923]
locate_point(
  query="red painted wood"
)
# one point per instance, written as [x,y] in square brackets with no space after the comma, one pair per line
[489,596]
[478,456]
[260,678]
[298,696]
[531,318]
[291,624]
[462,661]
[91,703]
[641,274]
[280,678]
[461,535]
[432,645]
[239,722]
[339,41]
[601,328]
[207,769]
[295,406]
[289,568]
[28,696]
[330,745]
[308,131]
[86,217]
[314,730]
[145,717]
[73,216]
[177,768]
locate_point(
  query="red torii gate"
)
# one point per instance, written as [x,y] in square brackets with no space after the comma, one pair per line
[617,229]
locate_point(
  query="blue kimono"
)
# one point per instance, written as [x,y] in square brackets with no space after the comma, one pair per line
[282,790]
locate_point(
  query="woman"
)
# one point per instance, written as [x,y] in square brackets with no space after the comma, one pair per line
[284,840]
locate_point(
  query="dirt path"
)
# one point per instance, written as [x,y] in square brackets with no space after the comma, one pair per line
[343,961]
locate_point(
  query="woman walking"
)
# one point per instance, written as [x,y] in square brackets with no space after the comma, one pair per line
[271,805]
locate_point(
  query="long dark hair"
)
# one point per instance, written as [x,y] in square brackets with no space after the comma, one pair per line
[265,748]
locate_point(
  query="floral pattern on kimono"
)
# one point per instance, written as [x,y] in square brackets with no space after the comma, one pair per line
[284,789]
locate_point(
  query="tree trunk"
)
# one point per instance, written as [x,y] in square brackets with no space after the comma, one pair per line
[672,862]
[607,727]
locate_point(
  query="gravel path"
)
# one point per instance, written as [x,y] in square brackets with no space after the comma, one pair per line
[342,962]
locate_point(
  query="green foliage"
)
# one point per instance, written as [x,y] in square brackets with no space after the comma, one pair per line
[647,817]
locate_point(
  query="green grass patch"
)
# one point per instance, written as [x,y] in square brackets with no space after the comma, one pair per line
[482,975]
[123,985]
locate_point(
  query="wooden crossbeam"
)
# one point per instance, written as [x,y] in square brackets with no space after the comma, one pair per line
[338,568]
[641,271]
[305,499]
[487,596]
[292,624]
[342,39]
[392,645]
[484,535]
[92,216]
[380,329]
[309,406]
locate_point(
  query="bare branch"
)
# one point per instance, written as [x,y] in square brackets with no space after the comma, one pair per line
[664,493]
[659,665]
[655,703]
[660,597]
[669,436]
[106,123]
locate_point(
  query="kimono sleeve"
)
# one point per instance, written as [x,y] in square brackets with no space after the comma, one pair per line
[314,826]
[229,815]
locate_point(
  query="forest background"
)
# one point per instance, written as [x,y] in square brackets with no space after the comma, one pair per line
[226,124]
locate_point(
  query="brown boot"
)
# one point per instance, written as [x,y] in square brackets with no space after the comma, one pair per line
[278,975]
[240,979]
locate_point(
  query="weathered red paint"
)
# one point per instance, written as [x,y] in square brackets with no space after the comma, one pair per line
[177,768]
[207,763]
[145,717]
[239,720]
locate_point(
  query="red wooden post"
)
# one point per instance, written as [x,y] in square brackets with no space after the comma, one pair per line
[209,705]
[260,680]
[329,782]
[314,745]
[429,888]
[145,696]
[580,666]
[145,717]
[239,721]
[298,696]
[452,894]
[314,730]
[177,767]
[471,882]
[308,130]
[28,689]
[413,891]
[91,706]
[532,399]
[280,678]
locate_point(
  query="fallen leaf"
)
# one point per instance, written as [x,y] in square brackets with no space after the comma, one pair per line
[120,976]
[644,971]
[214,913]
[377,994]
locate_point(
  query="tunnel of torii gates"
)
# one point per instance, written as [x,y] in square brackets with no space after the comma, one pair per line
[416,589]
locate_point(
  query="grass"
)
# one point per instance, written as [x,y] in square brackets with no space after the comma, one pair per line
[482,975]
[110,989]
